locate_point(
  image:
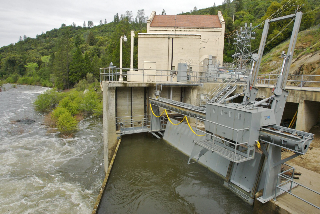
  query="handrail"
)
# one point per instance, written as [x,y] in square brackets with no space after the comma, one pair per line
[112,74]
[301,80]
[290,179]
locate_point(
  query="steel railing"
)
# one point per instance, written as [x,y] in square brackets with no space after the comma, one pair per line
[289,180]
[112,74]
[293,80]
[137,123]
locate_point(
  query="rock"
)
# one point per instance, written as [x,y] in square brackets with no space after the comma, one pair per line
[25,121]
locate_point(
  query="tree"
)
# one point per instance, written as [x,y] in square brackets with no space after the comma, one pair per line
[91,40]
[163,12]
[129,16]
[116,18]
[61,62]
[76,67]
[90,24]
[77,40]
[140,18]
[239,5]
[31,68]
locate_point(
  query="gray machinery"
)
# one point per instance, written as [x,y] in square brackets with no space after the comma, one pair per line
[248,135]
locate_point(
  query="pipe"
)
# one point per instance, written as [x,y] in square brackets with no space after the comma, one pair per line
[262,101]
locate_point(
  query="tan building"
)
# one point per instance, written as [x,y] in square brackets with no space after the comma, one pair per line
[173,39]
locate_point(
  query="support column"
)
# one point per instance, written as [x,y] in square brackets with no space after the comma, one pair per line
[191,95]
[308,115]
[109,123]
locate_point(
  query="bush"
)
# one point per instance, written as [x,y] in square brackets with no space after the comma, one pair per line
[13,78]
[66,123]
[70,105]
[47,101]
[90,102]
[98,110]
[81,85]
[10,80]
[57,112]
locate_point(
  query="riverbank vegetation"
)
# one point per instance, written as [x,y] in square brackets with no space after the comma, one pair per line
[64,109]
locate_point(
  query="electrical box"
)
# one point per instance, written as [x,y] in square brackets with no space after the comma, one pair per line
[182,75]
[237,123]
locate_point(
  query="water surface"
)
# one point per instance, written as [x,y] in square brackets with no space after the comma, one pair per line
[41,172]
[150,176]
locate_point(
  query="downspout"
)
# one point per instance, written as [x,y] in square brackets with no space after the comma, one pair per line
[171,53]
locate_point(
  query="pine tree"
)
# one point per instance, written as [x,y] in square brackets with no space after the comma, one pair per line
[76,67]
[61,62]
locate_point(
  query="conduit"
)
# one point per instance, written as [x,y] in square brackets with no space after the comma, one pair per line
[185,117]
[96,205]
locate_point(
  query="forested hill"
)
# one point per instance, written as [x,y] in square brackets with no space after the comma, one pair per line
[61,57]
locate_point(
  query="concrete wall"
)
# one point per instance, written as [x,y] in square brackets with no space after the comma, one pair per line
[212,39]
[308,115]
[109,121]
[158,48]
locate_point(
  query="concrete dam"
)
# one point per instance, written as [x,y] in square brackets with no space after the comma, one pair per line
[232,126]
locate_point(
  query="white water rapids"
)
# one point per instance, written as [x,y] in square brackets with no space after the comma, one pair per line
[39,171]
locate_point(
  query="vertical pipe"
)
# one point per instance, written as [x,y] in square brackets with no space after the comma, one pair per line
[132,46]
[116,103]
[120,79]
[171,53]
[131,106]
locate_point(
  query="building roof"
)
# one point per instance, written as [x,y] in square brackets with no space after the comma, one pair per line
[186,21]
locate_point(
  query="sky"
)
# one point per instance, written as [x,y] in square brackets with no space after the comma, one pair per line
[32,17]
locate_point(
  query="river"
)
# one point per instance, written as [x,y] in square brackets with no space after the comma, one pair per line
[40,172]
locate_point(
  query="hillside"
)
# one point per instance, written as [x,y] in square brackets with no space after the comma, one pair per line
[306,58]
[62,57]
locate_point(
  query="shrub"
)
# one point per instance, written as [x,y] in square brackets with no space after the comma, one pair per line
[98,110]
[47,101]
[57,112]
[13,78]
[89,102]
[9,80]
[81,85]
[66,123]
[70,105]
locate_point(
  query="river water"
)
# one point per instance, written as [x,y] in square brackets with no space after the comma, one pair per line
[150,176]
[39,171]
